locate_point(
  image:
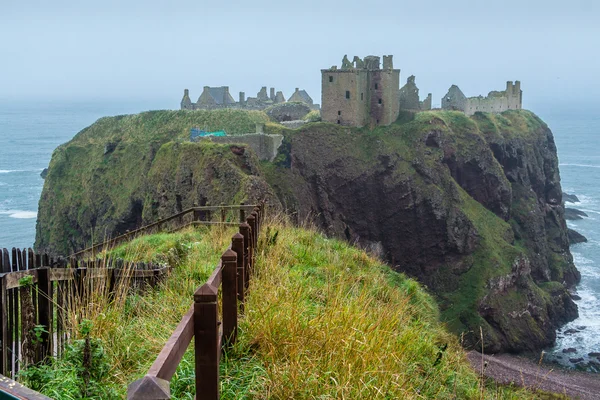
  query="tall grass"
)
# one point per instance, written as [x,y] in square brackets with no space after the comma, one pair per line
[322,320]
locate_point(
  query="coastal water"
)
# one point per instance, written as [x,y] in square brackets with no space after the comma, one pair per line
[577,136]
[29,132]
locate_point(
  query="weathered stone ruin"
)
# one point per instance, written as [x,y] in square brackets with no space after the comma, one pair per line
[219,97]
[409,97]
[361,93]
[495,102]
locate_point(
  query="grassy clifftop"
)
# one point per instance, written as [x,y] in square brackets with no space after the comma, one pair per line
[322,320]
[98,182]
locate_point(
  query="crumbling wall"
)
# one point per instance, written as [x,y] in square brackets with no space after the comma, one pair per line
[288,111]
[265,146]
[454,99]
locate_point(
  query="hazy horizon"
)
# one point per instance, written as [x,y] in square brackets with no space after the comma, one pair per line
[152,50]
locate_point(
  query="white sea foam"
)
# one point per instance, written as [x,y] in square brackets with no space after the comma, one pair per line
[8,171]
[579,165]
[19,214]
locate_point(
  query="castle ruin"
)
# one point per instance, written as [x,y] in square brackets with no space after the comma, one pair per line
[360,93]
[495,102]
[219,97]
[409,97]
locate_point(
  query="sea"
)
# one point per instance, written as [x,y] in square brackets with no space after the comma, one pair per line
[30,131]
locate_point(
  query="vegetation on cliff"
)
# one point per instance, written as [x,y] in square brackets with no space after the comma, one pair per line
[323,319]
[471,207]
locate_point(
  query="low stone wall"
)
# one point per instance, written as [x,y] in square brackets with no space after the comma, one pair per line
[265,146]
[294,124]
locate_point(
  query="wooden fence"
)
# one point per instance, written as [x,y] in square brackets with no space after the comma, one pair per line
[205,215]
[37,291]
[201,322]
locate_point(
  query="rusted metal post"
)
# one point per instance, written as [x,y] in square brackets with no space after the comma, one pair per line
[206,342]
[229,297]
[237,245]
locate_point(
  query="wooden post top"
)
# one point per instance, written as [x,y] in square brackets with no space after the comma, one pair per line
[206,294]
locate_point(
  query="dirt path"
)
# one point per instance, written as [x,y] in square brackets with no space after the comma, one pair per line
[506,369]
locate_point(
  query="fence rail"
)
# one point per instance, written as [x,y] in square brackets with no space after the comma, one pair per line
[201,323]
[36,291]
[192,216]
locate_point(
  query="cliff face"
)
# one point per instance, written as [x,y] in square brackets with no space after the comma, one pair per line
[469,206]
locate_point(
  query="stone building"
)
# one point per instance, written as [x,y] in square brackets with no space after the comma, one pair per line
[495,102]
[360,93]
[219,97]
[409,97]
[300,96]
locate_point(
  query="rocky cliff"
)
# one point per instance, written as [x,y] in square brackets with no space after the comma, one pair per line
[470,206]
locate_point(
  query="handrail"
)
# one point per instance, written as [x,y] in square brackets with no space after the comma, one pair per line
[133,233]
[210,335]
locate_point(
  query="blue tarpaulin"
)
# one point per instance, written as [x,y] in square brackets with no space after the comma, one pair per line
[197,132]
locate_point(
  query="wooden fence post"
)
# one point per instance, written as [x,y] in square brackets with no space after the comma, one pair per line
[229,297]
[45,310]
[197,215]
[223,213]
[242,212]
[253,229]
[206,342]
[4,326]
[237,245]
[245,232]
[256,212]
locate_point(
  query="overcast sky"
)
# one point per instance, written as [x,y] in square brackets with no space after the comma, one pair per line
[152,49]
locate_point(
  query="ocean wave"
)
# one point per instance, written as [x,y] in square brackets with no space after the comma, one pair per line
[19,214]
[8,171]
[579,165]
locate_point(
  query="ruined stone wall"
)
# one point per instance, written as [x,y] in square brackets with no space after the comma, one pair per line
[426,104]
[349,109]
[486,104]
[390,103]
[265,146]
[454,99]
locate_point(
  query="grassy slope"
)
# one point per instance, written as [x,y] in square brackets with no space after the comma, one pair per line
[113,180]
[323,320]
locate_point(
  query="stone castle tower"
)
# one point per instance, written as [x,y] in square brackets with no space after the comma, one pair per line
[361,93]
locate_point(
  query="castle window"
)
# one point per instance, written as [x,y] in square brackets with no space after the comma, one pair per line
[347,94]
[379,101]
[339,113]
[375,86]
[339,122]
[361,96]
[330,78]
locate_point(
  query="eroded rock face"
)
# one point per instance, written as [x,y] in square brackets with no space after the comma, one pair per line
[470,208]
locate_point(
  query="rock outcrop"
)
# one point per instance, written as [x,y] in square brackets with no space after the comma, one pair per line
[575,237]
[574,214]
[472,207]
